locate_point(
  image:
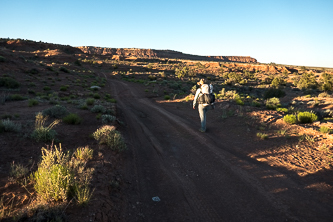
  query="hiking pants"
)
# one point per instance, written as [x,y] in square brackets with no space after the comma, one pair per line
[202,113]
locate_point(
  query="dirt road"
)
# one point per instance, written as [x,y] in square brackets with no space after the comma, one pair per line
[202,176]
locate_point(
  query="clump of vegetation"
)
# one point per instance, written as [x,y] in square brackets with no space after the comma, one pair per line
[283,110]
[64,88]
[42,133]
[306,81]
[56,111]
[8,125]
[90,101]
[326,82]
[167,97]
[72,119]
[8,82]
[277,82]
[17,97]
[273,92]
[306,117]
[262,135]
[63,69]
[61,176]
[325,129]
[18,171]
[108,118]
[2,59]
[290,119]
[273,103]
[109,136]
[32,102]
[98,109]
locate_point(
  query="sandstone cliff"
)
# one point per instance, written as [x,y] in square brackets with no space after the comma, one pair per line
[152,53]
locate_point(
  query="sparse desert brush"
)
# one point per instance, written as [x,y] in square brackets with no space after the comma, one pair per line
[61,175]
[9,82]
[64,88]
[17,171]
[283,110]
[290,119]
[324,95]
[277,82]
[90,101]
[10,126]
[109,136]
[306,81]
[72,118]
[166,97]
[98,109]
[63,69]
[272,92]
[56,111]
[325,129]
[239,101]
[32,102]
[17,97]
[96,96]
[273,103]
[306,117]
[84,153]
[106,118]
[46,88]
[42,133]
[262,135]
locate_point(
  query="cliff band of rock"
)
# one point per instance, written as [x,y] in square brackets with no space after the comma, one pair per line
[170,54]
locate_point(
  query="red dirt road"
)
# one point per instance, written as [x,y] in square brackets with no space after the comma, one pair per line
[203,176]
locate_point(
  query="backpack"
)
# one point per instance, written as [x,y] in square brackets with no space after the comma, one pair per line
[206,96]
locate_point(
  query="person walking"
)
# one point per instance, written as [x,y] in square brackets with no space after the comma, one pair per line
[203,106]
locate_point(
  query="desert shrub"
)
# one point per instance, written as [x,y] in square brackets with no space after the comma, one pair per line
[96,96]
[63,88]
[326,82]
[325,129]
[90,101]
[77,62]
[284,110]
[290,119]
[42,133]
[239,101]
[61,175]
[84,153]
[109,136]
[98,109]
[56,111]
[272,92]
[255,103]
[46,88]
[166,97]
[262,135]
[185,71]
[324,95]
[273,103]
[112,100]
[306,81]
[277,82]
[2,59]
[8,82]
[32,102]
[10,126]
[16,97]
[108,118]
[306,117]
[18,171]
[63,69]
[72,118]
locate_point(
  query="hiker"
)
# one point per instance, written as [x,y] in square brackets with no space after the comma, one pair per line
[204,105]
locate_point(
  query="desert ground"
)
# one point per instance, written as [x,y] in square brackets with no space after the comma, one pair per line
[259,160]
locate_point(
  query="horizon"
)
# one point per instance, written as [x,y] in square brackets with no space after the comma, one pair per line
[293,33]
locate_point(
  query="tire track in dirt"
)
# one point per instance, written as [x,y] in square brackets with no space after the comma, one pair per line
[165,149]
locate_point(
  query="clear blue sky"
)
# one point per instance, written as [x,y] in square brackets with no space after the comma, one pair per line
[292,32]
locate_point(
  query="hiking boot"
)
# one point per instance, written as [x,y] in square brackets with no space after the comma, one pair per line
[201,130]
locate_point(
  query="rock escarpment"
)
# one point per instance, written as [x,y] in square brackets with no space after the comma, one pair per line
[152,53]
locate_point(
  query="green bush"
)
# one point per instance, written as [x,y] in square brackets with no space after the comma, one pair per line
[255,103]
[272,103]
[272,92]
[109,136]
[325,129]
[63,88]
[239,101]
[63,69]
[306,81]
[17,97]
[2,59]
[32,102]
[41,132]
[306,117]
[90,101]
[10,126]
[61,176]
[8,82]
[46,88]
[284,110]
[72,118]
[56,111]
[98,109]
[108,118]
[166,97]
[290,119]
[262,135]
[96,96]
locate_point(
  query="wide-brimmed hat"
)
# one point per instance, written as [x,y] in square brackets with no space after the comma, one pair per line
[201,82]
